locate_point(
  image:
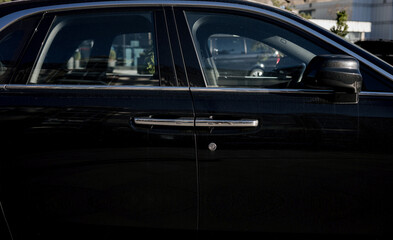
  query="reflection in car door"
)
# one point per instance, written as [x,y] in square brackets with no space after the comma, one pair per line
[286,160]
[76,162]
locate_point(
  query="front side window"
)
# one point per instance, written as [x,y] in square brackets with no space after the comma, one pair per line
[99,49]
[227,45]
[240,51]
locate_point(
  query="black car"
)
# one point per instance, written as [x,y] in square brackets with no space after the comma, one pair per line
[236,56]
[116,122]
[380,48]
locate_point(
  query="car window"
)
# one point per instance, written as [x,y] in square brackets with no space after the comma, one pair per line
[12,41]
[254,47]
[241,51]
[227,45]
[99,49]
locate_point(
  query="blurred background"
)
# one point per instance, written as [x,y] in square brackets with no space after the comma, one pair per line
[367,23]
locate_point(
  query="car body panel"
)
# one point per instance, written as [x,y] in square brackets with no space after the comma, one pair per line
[86,164]
[78,164]
[306,167]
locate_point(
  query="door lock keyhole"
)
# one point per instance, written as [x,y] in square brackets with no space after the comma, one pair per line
[212,146]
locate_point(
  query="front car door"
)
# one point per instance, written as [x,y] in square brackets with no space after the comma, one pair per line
[84,153]
[275,156]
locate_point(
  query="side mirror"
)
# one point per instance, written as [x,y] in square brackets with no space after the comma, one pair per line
[339,73]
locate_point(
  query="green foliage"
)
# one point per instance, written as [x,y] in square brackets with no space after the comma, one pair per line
[276,3]
[305,15]
[341,27]
[1,1]
[282,4]
[77,55]
[150,65]
[112,54]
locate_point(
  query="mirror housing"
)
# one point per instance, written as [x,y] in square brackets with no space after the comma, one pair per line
[339,73]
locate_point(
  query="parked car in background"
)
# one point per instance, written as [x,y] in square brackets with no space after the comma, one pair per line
[239,56]
[123,119]
[380,48]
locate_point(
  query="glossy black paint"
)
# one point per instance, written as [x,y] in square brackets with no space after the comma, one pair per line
[339,73]
[75,165]
[308,168]
[305,169]
[85,165]
[379,48]
[177,54]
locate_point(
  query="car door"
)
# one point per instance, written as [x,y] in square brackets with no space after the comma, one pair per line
[276,156]
[83,155]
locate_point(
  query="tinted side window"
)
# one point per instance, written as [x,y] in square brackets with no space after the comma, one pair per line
[259,47]
[223,45]
[12,42]
[99,49]
[240,51]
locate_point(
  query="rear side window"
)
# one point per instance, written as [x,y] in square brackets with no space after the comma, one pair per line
[12,42]
[99,49]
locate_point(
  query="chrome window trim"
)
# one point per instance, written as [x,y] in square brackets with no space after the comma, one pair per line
[185,89]
[92,87]
[284,91]
[261,90]
[376,94]
[9,19]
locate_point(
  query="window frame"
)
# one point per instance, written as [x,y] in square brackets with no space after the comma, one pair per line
[34,48]
[28,34]
[380,69]
[297,27]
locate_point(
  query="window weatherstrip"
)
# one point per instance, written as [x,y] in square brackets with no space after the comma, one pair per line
[285,91]
[262,90]
[377,94]
[195,89]
[92,87]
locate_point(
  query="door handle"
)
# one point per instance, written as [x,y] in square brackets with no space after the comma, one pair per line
[199,122]
[177,122]
[226,123]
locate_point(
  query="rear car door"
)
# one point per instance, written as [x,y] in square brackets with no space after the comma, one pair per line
[276,156]
[83,154]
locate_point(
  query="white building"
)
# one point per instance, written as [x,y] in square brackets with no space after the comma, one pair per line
[378,12]
[356,30]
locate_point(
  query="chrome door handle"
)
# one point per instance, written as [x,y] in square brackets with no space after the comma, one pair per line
[226,123]
[178,122]
[199,122]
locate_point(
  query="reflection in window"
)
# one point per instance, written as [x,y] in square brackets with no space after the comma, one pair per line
[99,49]
[81,56]
[228,45]
[133,52]
[8,45]
[12,42]
[239,51]
[236,56]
